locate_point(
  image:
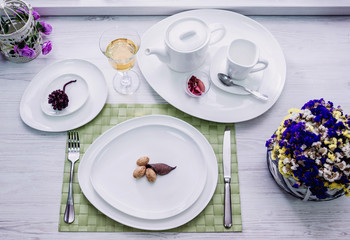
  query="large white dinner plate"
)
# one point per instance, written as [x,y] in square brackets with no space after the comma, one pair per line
[163,141]
[30,107]
[217,105]
[170,149]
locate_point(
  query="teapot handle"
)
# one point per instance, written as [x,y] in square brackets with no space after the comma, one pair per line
[217,32]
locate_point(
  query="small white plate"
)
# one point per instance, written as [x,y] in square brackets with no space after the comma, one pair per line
[218,65]
[163,140]
[30,106]
[77,93]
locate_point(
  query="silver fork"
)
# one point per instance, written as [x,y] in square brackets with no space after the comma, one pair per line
[73,156]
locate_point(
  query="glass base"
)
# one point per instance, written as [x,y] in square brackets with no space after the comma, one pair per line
[126,82]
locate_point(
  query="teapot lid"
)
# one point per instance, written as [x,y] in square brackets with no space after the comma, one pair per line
[187,34]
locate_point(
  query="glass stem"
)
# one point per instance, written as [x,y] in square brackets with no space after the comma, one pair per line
[125,80]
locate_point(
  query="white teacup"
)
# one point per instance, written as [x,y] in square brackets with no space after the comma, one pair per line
[243,58]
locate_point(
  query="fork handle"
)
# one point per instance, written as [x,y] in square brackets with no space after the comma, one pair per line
[69,212]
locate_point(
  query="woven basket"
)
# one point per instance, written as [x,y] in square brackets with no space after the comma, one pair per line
[303,192]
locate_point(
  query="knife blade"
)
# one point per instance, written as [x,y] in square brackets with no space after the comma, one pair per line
[227,177]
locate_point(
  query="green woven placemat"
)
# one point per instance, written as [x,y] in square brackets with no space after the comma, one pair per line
[89,219]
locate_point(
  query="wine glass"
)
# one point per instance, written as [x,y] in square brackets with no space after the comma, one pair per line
[120,46]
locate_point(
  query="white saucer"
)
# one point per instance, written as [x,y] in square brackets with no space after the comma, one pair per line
[218,65]
[77,93]
[30,107]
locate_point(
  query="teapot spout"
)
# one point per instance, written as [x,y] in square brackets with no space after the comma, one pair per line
[160,53]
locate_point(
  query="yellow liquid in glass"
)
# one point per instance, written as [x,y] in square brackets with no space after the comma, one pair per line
[121,53]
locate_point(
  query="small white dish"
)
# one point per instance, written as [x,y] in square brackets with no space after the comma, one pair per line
[77,93]
[253,81]
[203,77]
[30,106]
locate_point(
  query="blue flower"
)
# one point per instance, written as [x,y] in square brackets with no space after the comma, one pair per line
[296,142]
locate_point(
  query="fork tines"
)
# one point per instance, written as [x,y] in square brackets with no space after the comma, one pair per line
[73,141]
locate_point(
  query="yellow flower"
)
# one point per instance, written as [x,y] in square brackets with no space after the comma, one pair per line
[336,114]
[346,133]
[331,156]
[296,110]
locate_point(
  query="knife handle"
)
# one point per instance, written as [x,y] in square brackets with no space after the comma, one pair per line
[227,208]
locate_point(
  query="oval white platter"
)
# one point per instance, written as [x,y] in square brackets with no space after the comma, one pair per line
[217,105]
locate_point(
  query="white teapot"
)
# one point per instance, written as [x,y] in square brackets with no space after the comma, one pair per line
[186,43]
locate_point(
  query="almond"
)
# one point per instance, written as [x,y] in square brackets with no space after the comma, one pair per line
[139,172]
[151,175]
[142,161]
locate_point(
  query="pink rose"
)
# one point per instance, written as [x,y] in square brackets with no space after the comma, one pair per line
[45,28]
[35,15]
[47,47]
[27,52]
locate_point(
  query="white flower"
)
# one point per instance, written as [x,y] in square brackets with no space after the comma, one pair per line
[323,151]
[316,144]
[308,115]
[346,150]
[294,167]
[329,161]
[341,165]
[327,166]
[332,176]
[286,161]
[320,172]
[294,116]
[284,169]
[303,147]
[318,161]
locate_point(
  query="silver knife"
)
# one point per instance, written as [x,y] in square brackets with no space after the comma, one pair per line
[227,177]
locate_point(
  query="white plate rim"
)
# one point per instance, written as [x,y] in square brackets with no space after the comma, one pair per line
[229,108]
[155,224]
[30,108]
[101,144]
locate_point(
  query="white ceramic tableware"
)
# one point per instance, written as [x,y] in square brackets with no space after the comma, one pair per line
[170,194]
[190,83]
[186,43]
[77,92]
[243,58]
[218,65]
[161,187]
[217,105]
[30,106]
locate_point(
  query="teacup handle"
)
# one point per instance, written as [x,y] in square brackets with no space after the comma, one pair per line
[216,27]
[263,64]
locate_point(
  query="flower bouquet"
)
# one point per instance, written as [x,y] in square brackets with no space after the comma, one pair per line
[309,154]
[21,32]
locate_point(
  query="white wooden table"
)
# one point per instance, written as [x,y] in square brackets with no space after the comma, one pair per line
[317,51]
